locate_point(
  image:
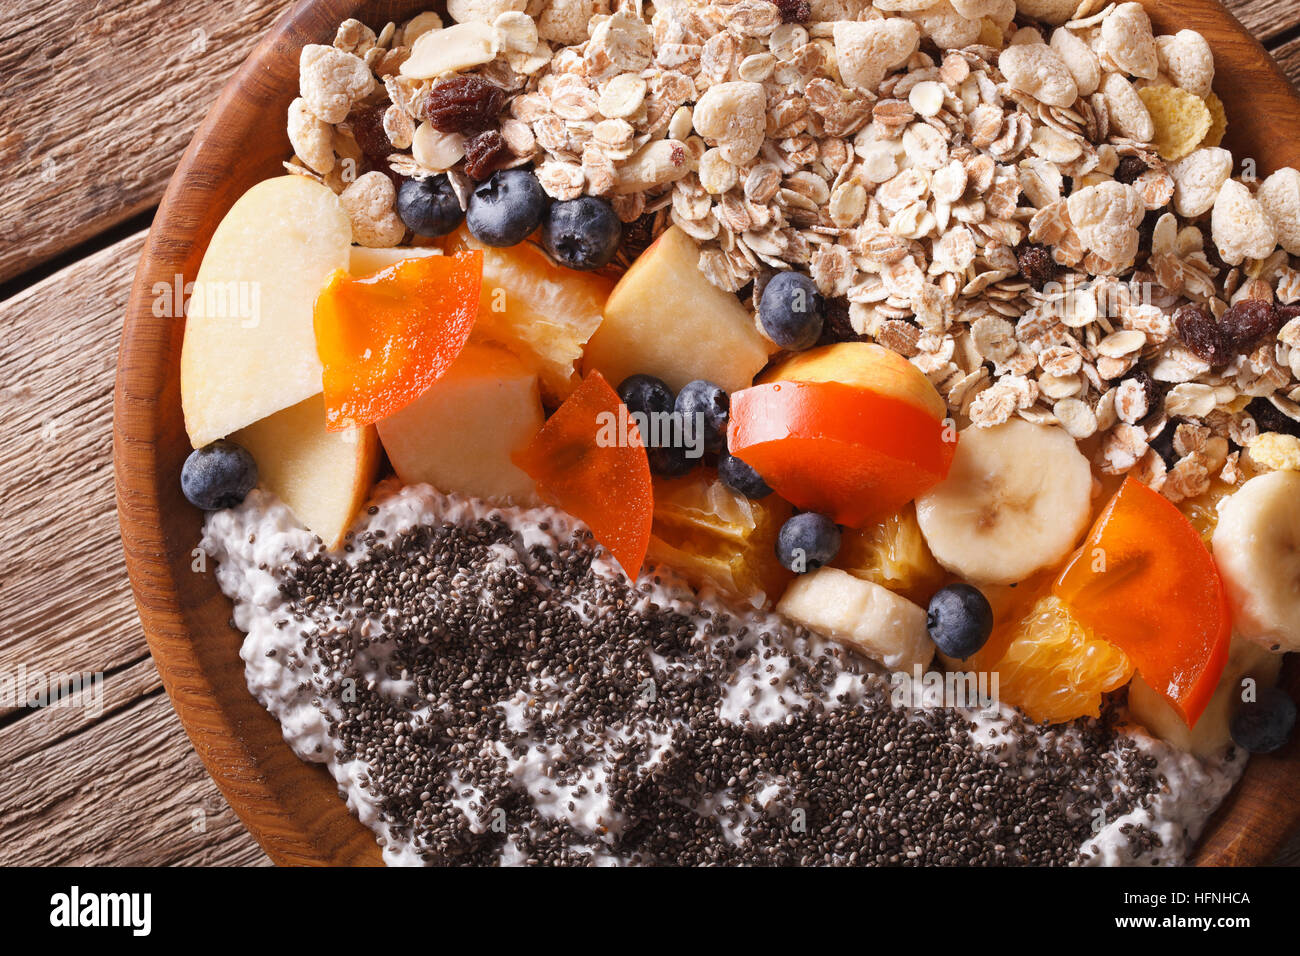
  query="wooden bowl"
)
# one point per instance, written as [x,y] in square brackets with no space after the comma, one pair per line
[292,807]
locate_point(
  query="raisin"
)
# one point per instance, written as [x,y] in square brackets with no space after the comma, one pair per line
[1213,258]
[1197,329]
[367,124]
[794,11]
[1154,394]
[1163,444]
[1269,419]
[485,154]
[1247,323]
[836,326]
[1129,169]
[1036,264]
[463,104]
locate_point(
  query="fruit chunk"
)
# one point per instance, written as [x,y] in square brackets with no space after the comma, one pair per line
[839,450]
[883,626]
[865,365]
[1016,501]
[1144,582]
[249,348]
[1257,548]
[460,434]
[892,552]
[386,337]
[1245,659]
[665,319]
[218,475]
[364,260]
[543,313]
[323,476]
[711,534]
[1049,665]
[603,483]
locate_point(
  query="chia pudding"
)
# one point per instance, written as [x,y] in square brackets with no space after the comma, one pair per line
[486,687]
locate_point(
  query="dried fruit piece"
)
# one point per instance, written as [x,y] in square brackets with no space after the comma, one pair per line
[1270,419]
[794,11]
[1197,328]
[1144,581]
[1129,169]
[485,154]
[603,482]
[1036,264]
[384,338]
[367,124]
[1248,322]
[463,104]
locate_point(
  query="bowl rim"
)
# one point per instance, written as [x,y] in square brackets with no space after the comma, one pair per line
[145,487]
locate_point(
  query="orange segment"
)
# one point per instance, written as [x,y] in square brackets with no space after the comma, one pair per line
[893,553]
[542,312]
[384,338]
[602,482]
[1145,582]
[709,533]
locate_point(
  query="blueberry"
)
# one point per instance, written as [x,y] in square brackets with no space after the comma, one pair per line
[219,475]
[507,208]
[740,477]
[670,461]
[582,233]
[710,402]
[429,207]
[1264,724]
[959,620]
[791,311]
[646,394]
[807,541]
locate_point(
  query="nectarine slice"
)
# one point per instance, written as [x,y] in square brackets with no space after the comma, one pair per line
[844,451]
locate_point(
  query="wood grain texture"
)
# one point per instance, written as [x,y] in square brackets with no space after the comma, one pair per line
[100,100]
[75,780]
[290,806]
[1266,19]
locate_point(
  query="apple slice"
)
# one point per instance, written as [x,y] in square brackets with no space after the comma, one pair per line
[665,319]
[249,347]
[323,476]
[461,433]
[364,261]
[1149,708]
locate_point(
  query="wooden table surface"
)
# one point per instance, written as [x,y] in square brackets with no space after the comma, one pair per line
[97,102]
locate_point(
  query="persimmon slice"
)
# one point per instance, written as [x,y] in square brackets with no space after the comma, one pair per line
[586,464]
[384,338]
[1144,581]
[844,451]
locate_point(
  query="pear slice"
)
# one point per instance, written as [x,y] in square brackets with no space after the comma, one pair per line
[323,476]
[664,318]
[250,347]
[461,433]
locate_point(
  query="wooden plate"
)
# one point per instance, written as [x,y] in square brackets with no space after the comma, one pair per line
[292,807]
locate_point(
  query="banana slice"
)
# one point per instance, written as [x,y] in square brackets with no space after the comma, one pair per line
[1017,499]
[885,627]
[1256,545]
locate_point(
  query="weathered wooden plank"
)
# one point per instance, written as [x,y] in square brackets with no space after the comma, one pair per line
[1288,57]
[127,790]
[1266,19]
[100,100]
[68,607]
[68,604]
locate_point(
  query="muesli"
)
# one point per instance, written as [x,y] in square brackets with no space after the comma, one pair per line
[811,432]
